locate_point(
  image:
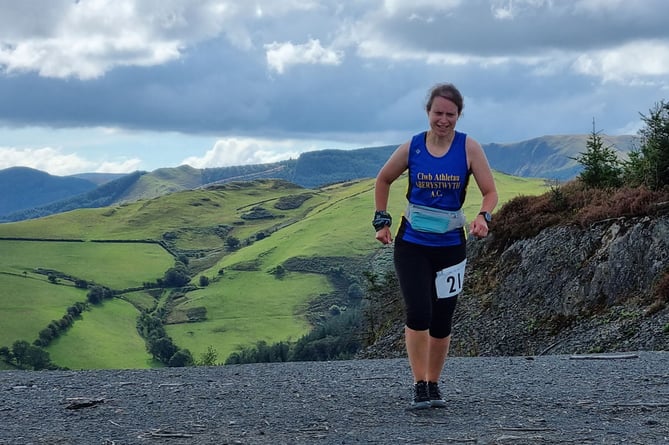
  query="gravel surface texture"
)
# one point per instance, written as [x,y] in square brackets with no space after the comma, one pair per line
[602,399]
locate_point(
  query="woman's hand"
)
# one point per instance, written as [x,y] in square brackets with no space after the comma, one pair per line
[384,236]
[478,227]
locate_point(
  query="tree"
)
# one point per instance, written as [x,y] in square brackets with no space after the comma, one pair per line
[95,295]
[19,350]
[208,358]
[76,309]
[355,292]
[37,357]
[163,349]
[204,281]
[279,271]
[45,336]
[176,276]
[232,243]
[649,165]
[601,166]
[181,358]
[6,353]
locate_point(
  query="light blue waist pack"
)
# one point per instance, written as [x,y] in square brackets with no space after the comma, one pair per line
[429,219]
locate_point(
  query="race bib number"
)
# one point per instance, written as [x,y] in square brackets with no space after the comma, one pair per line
[449,281]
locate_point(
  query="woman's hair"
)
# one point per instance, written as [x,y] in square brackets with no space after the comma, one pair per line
[447,91]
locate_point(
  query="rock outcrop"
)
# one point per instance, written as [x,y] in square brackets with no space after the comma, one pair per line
[603,288]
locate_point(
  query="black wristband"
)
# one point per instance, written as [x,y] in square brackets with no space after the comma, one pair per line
[381,220]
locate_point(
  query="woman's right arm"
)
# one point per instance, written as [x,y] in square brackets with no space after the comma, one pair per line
[391,170]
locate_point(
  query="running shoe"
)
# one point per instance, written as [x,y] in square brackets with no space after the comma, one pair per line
[436,400]
[421,398]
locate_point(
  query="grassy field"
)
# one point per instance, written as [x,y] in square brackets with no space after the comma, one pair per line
[242,306]
[105,337]
[115,265]
[191,211]
[29,303]
[240,314]
[341,226]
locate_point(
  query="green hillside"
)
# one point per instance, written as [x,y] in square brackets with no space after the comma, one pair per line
[163,181]
[44,188]
[549,157]
[267,286]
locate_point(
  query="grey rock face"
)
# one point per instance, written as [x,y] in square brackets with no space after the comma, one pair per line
[567,290]
[572,270]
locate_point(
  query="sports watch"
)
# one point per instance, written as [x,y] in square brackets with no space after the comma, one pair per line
[487,216]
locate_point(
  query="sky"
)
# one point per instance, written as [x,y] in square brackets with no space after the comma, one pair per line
[124,85]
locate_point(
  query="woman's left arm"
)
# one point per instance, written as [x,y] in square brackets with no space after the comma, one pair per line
[478,164]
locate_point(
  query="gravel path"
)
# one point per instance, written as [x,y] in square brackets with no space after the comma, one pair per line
[492,400]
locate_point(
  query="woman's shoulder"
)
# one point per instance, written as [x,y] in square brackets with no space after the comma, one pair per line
[418,138]
[471,143]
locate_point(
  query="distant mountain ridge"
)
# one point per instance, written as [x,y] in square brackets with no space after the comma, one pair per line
[550,157]
[98,178]
[25,188]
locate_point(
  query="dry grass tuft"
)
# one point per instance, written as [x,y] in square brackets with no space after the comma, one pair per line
[572,203]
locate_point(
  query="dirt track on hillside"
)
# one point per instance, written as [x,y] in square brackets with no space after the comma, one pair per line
[496,400]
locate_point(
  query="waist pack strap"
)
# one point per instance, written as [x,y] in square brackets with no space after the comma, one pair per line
[429,219]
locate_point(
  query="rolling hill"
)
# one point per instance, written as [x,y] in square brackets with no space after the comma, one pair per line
[549,157]
[24,188]
[298,253]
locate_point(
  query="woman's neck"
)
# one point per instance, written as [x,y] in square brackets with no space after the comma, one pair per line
[439,144]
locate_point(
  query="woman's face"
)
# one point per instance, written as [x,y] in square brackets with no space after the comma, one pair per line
[442,116]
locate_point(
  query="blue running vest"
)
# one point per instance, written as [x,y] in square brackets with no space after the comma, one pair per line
[436,182]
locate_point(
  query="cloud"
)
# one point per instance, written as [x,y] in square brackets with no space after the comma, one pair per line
[54,161]
[88,38]
[282,55]
[238,151]
[529,32]
[84,58]
[414,8]
[627,63]
[246,151]
[321,70]
[123,166]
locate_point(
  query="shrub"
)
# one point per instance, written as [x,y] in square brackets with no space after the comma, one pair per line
[181,358]
[649,165]
[525,216]
[291,201]
[601,167]
[176,277]
[232,243]
[208,358]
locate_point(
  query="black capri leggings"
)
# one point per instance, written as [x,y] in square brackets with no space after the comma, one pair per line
[417,268]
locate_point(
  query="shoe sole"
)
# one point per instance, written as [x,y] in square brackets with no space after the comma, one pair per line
[420,405]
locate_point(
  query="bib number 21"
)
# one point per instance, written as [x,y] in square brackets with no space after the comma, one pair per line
[449,281]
